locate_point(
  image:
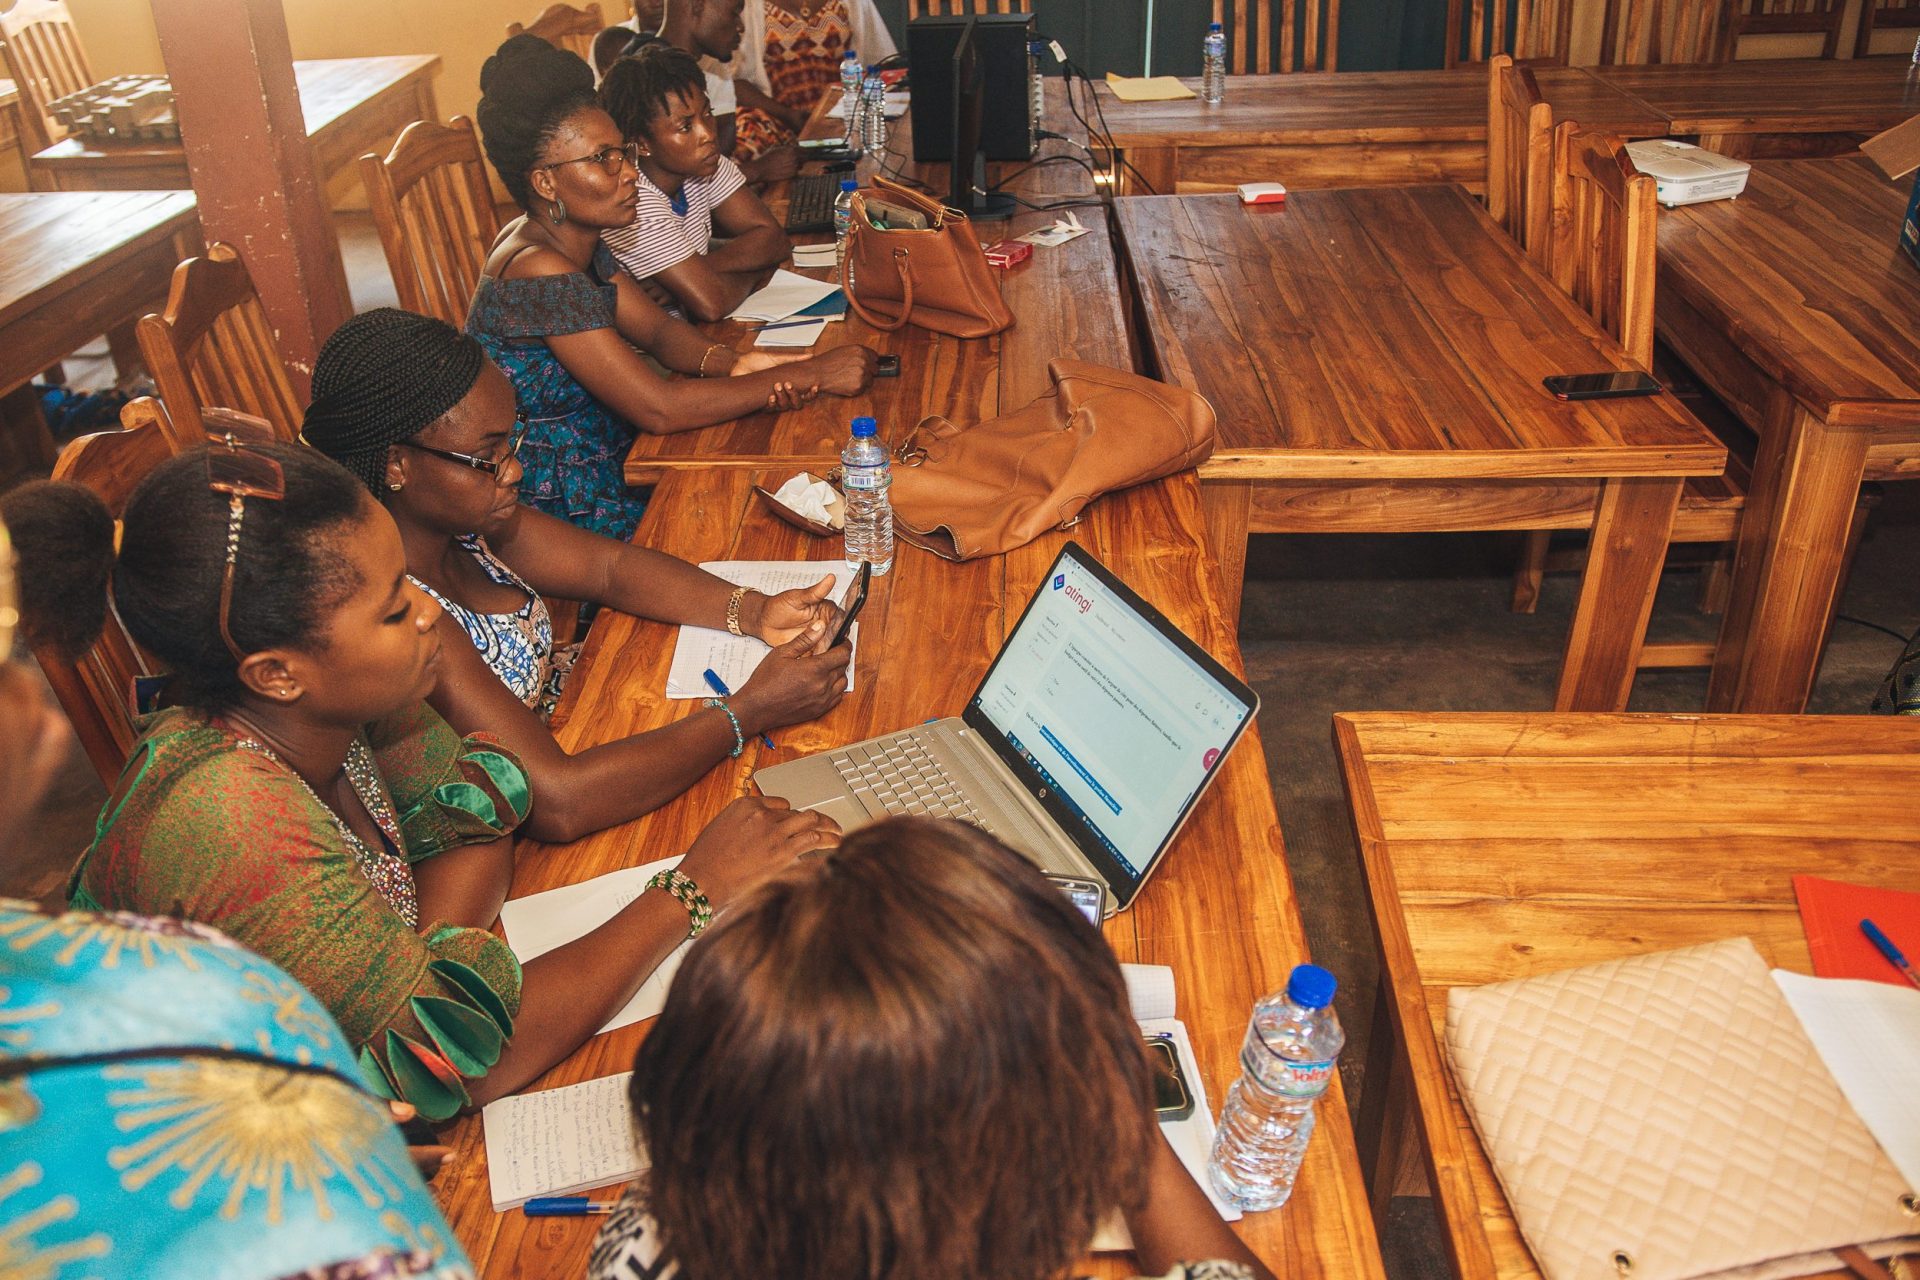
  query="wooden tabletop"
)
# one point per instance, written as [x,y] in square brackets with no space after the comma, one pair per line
[330,91]
[1328,108]
[1382,333]
[1220,911]
[1859,95]
[1803,273]
[1502,846]
[54,244]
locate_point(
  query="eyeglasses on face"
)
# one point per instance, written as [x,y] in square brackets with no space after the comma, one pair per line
[240,473]
[492,466]
[608,158]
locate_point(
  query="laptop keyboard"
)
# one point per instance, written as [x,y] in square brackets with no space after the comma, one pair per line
[899,775]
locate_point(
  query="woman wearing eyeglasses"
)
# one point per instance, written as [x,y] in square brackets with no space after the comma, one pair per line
[562,320]
[412,407]
[299,795]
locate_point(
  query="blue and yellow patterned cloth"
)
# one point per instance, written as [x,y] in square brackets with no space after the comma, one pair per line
[172,1105]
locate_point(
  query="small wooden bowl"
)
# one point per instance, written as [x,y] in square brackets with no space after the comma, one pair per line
[784,512]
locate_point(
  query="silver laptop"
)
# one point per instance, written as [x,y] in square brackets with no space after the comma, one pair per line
[1086,746]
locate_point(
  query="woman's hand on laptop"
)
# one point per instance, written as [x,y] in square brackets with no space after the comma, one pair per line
[753,840]
[794,683]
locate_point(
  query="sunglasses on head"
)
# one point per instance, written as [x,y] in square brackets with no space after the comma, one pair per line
[240,472]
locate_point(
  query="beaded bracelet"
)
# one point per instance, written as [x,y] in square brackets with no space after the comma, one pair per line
[734,602]
[688,895]
[739,739]
[706,355]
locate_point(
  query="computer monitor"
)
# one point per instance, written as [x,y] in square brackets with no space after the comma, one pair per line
[967,170]
[1000,43]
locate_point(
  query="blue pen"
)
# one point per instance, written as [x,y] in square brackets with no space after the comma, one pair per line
[565,1207]
[1884,945]
[719,686]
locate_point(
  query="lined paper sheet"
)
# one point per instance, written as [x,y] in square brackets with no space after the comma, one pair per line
[733,658]
[560,1141]
[1868,1034]
[538,923]
[782,296]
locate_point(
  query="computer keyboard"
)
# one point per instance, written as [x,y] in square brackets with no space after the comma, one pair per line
[810,198]
[899,775]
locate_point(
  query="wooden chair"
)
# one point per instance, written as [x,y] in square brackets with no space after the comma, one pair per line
[1639,32]
[565,27]
[1769,17]
[1519,154]
[212,346]
[962,8]
[434,211]
[1880,15]
[1298,41]
[45,60]
[1477,30]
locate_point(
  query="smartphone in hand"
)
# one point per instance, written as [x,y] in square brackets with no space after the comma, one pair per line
[853,602]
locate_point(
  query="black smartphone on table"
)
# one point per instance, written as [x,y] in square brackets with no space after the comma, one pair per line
[853,602]
[887,367]
[1601,386]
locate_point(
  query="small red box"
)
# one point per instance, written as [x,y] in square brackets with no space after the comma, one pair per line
[1008,253]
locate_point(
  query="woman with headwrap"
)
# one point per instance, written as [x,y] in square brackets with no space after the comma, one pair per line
[411,406]
[561,319]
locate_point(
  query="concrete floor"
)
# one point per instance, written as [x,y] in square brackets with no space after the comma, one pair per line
[1335,624]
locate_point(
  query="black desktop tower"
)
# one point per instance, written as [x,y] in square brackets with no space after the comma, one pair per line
[1001,46]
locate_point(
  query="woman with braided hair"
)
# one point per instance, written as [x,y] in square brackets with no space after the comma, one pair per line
[562,320]
[411,406]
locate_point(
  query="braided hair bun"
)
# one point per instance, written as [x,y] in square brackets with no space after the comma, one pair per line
[528,88]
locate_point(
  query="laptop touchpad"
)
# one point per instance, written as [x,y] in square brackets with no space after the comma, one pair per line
[845,810]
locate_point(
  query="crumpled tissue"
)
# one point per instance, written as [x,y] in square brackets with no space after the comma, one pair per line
[815,499]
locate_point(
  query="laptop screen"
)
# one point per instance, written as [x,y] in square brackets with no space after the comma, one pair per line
[1114,718]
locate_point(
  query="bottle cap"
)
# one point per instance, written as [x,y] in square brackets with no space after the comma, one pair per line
[1310,987]
[864,427]
[848,184]
[849,55]
[1212,27]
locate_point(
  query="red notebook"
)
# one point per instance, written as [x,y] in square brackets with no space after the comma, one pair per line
[1831,911]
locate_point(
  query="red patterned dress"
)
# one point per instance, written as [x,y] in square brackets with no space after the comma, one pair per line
[802,60]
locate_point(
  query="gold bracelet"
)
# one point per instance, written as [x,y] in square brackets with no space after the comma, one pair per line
[707,354]
[733,610]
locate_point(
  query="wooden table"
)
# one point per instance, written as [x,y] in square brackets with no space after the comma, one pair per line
[351,105]
[1500,846]
[1795,306]
[72,266]
[1221,909]
[1780,107]
[1375,359]
[1340,129]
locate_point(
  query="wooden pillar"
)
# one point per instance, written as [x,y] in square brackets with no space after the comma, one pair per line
[252,167]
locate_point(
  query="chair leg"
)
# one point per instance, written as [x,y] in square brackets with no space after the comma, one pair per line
[1531,571]
[1716,581]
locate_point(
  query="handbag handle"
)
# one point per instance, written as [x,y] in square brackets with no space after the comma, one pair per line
[906,291]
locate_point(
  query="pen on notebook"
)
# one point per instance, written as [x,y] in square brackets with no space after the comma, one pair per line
[1884,945]
[785,324]
[719,686]
[565,1207]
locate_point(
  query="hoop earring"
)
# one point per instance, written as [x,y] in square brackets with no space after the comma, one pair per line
[558,213]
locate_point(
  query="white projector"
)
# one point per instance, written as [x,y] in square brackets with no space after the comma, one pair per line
[1685,174]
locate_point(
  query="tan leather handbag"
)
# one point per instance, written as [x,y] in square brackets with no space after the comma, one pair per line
[937,278]
[962,492]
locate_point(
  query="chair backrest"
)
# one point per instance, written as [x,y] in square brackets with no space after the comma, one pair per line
[213,346]
[962,8]
[1769,17]
[434,211]
[1877,16]
[45,60]
[1641,32]
[565,27]
[1304,36]
[1519,154]
[1534,30]
[1601,239]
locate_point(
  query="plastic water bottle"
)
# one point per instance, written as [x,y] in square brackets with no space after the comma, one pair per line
[842,222]
[852,77]
[1213,70]
[865,479]
[1036,95]
[873,124]
[1286,1063]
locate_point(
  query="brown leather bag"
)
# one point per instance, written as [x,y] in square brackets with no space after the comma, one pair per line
[962,492]
[938,278]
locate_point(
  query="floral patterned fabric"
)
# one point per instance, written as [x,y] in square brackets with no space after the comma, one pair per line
[802,61]
[202,828]
[173,1106]
[575,445]
[519,645]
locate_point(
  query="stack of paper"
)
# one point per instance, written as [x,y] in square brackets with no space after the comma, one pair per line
[1868,1034]
[697,650]
[1147,88]
[785,296]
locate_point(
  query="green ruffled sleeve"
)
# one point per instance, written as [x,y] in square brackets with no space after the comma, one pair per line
[448,791]
[461,1018]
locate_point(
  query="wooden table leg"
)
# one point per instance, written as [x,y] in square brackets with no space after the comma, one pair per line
[1788,565]
[1386,1126]
[25,442]
[1629,544]
[1227,505]
[1149,170]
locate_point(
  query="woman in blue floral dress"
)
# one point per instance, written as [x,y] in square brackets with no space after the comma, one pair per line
[562,320]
